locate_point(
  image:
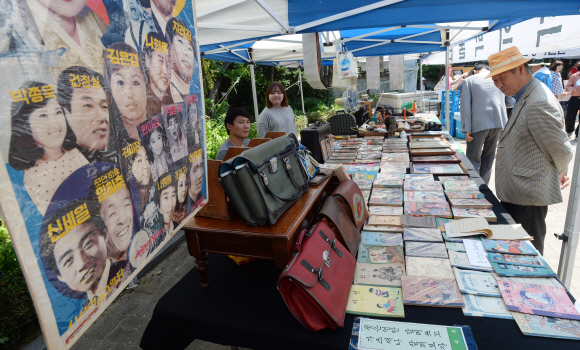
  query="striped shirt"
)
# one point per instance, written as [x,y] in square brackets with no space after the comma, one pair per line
[277,119]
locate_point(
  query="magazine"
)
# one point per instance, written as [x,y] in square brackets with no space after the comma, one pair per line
[379,275]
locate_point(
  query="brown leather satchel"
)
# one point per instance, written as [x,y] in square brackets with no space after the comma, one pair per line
[334,215]
[351,199]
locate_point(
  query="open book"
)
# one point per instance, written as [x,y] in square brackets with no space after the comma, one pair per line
[480,226]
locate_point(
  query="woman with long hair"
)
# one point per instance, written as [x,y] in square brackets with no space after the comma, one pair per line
[277,116]
[555,69]
[42,145]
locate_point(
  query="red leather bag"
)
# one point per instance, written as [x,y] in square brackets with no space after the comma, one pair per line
[316,282]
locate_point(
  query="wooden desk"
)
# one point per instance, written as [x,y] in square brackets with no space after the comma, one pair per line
[274,242]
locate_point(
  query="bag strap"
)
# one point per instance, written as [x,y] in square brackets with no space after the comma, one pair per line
[289,173]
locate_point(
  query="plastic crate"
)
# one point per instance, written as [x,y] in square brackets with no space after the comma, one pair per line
[453,102]
[451,125]
[458,130]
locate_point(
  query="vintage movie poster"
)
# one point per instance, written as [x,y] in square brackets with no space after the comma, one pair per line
[103,146]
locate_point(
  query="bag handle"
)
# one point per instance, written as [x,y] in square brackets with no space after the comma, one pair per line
[288,169]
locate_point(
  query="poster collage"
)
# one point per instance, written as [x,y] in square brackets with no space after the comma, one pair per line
[103,143]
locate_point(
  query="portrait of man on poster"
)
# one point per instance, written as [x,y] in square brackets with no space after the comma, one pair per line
[182,54]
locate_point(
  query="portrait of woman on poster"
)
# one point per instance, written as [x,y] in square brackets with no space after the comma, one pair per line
[128,89]
[73,26]
[42,144]
[194,124]
[140,168]
[156,147]
[175,135]
[139,23]
[180,209]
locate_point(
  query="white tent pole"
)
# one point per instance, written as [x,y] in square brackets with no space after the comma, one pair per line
[302,96]
[254,93]
[571,228]
[447,117]
[421,82]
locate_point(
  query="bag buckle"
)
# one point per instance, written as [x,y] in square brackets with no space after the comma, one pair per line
[287,163]
[273,165]
[326,258]
[264,178]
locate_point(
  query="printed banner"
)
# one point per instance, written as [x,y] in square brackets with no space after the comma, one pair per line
[103,142]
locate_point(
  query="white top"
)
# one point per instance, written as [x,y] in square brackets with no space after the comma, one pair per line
[277,119]
[43,179]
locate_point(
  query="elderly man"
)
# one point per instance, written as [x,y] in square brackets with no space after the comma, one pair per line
[483,116]
[533,150]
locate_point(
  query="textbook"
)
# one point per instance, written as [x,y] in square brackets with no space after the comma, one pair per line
[429,291]
[379,274]
[428,267]
[480,226]
[476,282]
[482,306]
[386,239]
[528,260]
[375,301]
[462,261]
[422,234]
[457,246]
[380,254]
[509,270]
[426,249]
[551,327]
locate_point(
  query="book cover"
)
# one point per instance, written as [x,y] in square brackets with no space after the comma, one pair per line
[394,157]
[424,196]
[457,246]
[366,176]
[393,170]
[386,197]
[384,220]
[451,239]
[380,254]
[482,306]
[392,164]
[431,151]
[509,270]
[423,145]
[366,195]
[382,175]
[551,327]
[538,300]
[437,168]
[379,275]
[437,209]
[428,267]
[511,247]
[461,185]
[454,178]
[476,203]
[425,249]
[419,177]
[375,301]
[529,260]
[429,291]
[464,194]
[422,234]
[386,239]
[425,139]
[368,155]
[384,210]
[463,213]
[364,184]
[545,281]
[393,182]
[373,228]
[476,282]
[447,158]
[418,221]
[422,186]
[462,261]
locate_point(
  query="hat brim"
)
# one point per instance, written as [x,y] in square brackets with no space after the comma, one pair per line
[508,67]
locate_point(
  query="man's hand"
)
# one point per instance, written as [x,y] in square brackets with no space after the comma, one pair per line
[564,181]
[468,137]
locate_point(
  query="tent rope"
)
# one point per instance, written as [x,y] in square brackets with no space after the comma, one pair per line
[221,100]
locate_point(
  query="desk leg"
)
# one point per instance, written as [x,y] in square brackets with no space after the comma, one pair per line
[201,267]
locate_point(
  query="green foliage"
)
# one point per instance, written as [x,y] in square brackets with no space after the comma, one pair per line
[8,260]
[18,320]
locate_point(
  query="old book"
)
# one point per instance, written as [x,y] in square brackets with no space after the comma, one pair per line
[430,291]
[379,275]
[375,228]
[426,249]
[430,151]
[368,155]
[364,184]
[366,176]
[454,178]
[480,226]
[384,220]
[375,301]
[371,172]
[551,327]
[470,203]
[437,168]
[482,306]
[447,158]
[392,182]
[419,177]
[511,247]
[389,163]
[476,282]
[457,246]
[461,185]
[386,197]
[437,209]
[424,196]
[509,270]
[537,299]
[462,261]
[381,238]
[544,281]
[464,194]
[380,254]
[386,169]
[384,210]
[422,186]
[401,157]
[422,234]
[418,221]
[529,260]
[423,145]
[428,267]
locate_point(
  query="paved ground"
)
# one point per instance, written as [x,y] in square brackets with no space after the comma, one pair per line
[123,323]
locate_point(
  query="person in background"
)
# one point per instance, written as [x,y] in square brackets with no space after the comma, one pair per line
[574,68]
[573,86]
[555,69]
[544,75]
[277,116]
[237,122]
[483,117]
[533,151]
[424,83]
